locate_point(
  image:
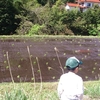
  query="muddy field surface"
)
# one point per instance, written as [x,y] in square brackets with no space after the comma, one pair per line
[43,59]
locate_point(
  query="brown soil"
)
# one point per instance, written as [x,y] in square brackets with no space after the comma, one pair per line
[43,62]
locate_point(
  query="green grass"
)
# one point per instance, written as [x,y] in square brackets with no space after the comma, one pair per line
[43,91]
[46,36]
[28,91]
[92,88]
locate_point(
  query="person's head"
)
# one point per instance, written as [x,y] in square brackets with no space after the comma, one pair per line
[72,64]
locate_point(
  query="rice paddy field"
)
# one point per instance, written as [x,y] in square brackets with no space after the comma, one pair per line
[30,67]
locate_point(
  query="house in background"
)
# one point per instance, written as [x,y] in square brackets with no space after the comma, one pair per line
[89,3]
[72,6]
[82,5]
[75,6]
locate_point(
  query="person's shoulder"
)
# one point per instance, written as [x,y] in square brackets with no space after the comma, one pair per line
[79,77]
[63,75]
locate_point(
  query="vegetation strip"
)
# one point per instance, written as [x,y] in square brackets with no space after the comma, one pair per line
[25,91]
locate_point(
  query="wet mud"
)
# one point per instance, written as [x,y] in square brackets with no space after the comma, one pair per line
[43,59]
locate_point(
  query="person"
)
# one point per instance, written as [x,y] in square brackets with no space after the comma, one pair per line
[70,85]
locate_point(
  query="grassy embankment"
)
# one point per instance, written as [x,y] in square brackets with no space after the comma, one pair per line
[42,91]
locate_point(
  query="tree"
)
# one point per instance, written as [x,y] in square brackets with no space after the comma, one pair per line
[92,18]
[8,22]
[44,2]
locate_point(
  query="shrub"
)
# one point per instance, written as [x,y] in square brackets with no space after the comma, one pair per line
[35,29]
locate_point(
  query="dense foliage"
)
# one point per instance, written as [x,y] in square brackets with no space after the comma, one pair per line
[28,17]
[8,21]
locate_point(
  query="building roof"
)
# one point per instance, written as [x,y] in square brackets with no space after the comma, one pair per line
[94,1]
[73,4]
